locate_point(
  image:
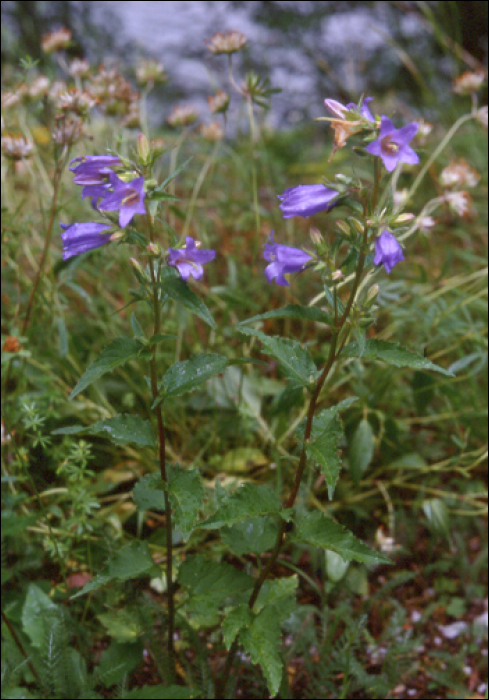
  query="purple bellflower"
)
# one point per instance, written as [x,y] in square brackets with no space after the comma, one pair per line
[392,144]
[364,110]
[306,200]
[88,167]
[93,173]
[80,238]
[283,259]
[189,260]
[388,252]
[127,197]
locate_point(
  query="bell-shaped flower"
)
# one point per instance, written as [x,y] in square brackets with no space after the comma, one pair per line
[88,168]
[189,260]
[392,144]
[93,173]
[80,238]
[388,252]
[283,259]
[127,197]
[306,200]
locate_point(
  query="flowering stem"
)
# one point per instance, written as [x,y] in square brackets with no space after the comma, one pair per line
[333,355]
[162,458]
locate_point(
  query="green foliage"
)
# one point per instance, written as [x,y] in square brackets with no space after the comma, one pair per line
[186,496]
[122,430]
[176,289]
[393,354]
[249,500]
[361,450]
[295,360]
[318,530]
[130,562]
[209,586]
[323,445]
[117,353]
[186,376]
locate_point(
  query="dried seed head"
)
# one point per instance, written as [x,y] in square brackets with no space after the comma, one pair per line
[459,174]
[182,115]
[56,41]
[79,68]
[15,147]
[226,42]
[218,102]
[468,83]
[150,71]
[212,131]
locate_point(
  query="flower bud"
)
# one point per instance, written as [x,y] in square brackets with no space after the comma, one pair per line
[138,269]
[117,235]
[143,149]
[316,237]
[343,227]
[356,224]
[403,219]
[337,276]
[154,250]
[371,296]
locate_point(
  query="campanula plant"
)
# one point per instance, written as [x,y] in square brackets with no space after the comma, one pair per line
[127,202]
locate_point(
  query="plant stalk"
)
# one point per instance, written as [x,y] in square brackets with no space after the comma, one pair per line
[162,460]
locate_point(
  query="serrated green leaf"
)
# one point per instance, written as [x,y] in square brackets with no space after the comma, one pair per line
[307,313]
[209,585]
[122,625]
[37,613]
[189,374]
[176,289]
[261,641]
[97,582]
[323,445]
[318,530]
[235,620]
[248,501]
[253,535]
[161,692]
[295,360]
[117,661]
[137,330]
[393,354]
[361,450]
[186,496]
[117,353]
[131,561]
[121,429]
[275,592]
[148,493]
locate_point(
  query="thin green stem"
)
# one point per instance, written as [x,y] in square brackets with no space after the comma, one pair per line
[47,243]
[162,459]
